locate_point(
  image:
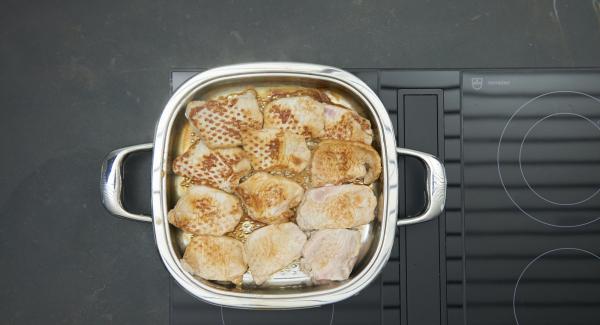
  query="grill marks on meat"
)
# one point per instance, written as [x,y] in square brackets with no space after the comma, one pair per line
[274,140]
[237,159]
[276,150]
[301,115]
[336,162]
[283,92]
[219,121]
[204,210]
[219,168]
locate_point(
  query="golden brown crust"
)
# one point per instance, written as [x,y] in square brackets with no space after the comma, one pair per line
[316,94]
[215,258]
[271,248]
[275,150]
[206,211]
[220,120]
[268,199]
[301,115]
[342,123]
[336,162]
[238,160]
[216,168]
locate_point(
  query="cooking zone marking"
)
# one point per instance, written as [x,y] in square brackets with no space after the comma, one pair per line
[572,249]
[513,200]
[589,197]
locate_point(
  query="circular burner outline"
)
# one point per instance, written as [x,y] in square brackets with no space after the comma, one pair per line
[498,156]
[521,166]
[330,320]
[514,302]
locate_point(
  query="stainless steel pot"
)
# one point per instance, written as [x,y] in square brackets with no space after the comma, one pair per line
[289,288]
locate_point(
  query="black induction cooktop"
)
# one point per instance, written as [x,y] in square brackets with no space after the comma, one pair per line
[519,240]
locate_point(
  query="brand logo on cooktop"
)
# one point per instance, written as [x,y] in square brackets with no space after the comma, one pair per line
[477,83]
[498,82]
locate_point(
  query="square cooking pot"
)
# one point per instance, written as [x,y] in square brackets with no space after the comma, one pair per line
[288,290]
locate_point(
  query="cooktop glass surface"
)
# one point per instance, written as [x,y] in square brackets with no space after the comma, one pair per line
[531,164]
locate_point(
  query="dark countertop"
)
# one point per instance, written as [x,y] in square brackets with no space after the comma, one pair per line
[84,78]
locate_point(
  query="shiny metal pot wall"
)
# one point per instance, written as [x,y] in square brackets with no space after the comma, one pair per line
[377,238]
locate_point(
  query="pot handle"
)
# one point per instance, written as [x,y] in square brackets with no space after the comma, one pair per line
[111,182]
[435,186]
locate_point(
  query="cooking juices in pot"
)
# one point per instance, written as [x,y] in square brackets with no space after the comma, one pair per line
[292,274]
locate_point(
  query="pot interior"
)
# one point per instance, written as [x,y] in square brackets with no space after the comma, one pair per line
[291,279]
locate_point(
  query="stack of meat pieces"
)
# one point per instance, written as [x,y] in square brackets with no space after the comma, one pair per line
[263,147]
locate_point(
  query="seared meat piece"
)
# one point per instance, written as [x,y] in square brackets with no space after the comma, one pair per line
[219,121]
[336,162]
[342,206]
[271,248]
[330,254]
[236,158]
[301,115]
[345,124]
[274,149]
[285,91]
[204,210]
[268,198]
[220,168]
[217,258]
